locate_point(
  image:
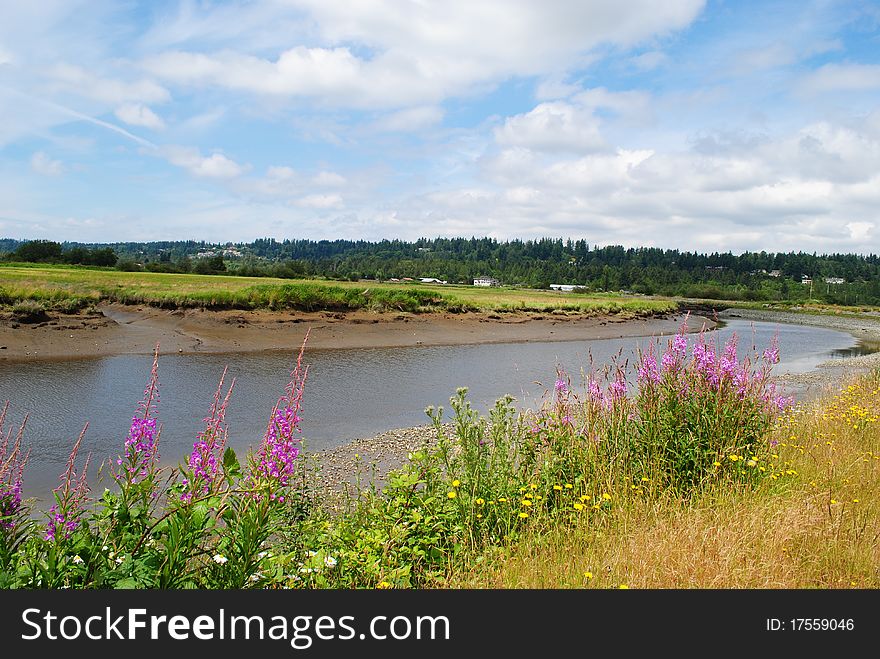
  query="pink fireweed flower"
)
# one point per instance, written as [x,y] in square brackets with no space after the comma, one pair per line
[675,353]
[142,442]
[561,387]
[594,391]
[771,354]
[204,460]
[649,372]
[728,362]
[140,447]
[783,402]
[677,348]
[617,389]
[275,461]
[11,471]
[704,358]
[741,381]
[65,515]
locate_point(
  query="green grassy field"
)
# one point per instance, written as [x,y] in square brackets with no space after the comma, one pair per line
[69,289]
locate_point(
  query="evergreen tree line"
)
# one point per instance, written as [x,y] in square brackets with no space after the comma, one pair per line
[528,263]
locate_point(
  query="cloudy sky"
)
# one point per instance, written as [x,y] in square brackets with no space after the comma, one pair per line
[700,125]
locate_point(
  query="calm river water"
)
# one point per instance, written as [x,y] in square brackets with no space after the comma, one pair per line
[350,393]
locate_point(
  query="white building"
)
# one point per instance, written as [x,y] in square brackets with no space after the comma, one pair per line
[566,288]
[431,280]
[835,280]
[486,281]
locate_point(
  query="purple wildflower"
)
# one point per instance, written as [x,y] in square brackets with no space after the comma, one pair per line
[276,458]
[679,345]
[142,442]
[204,460]
[649,372]
[741,381]
[675,353]
[66,514]
[783,402]
[728,362]
[704,358]
[11,471]
[561,387]
[617,389]
[594,391]
[771,354]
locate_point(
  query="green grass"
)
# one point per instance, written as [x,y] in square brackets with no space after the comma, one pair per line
[70,289]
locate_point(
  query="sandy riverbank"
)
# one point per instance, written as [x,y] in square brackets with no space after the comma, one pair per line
[117,330]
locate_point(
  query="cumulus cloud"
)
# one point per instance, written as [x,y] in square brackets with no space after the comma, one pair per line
[136,114]
[216,166]
[43,164]
[812,188]
[412,54]
[555,126]
[571,125]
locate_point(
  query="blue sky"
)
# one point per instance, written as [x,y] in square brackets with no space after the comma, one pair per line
[690,124]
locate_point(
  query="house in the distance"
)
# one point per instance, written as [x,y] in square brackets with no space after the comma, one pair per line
[486,281]
[835,280]
[566,288]
[431,280]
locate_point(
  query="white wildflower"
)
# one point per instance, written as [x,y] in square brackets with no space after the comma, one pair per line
[219,559]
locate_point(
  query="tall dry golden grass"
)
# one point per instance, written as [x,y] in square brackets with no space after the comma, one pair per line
[815,523]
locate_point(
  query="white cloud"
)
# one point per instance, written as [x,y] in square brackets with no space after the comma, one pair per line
[557,126]
[43,164]
[391,53]
[136,114]
[841,77]
[329,179]
[77,80]
[860,231]
[215,166]
[569,126]
[554,88]
[649,61]
[409,119]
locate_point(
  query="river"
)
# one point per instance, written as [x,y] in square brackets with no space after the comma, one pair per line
[350,393]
